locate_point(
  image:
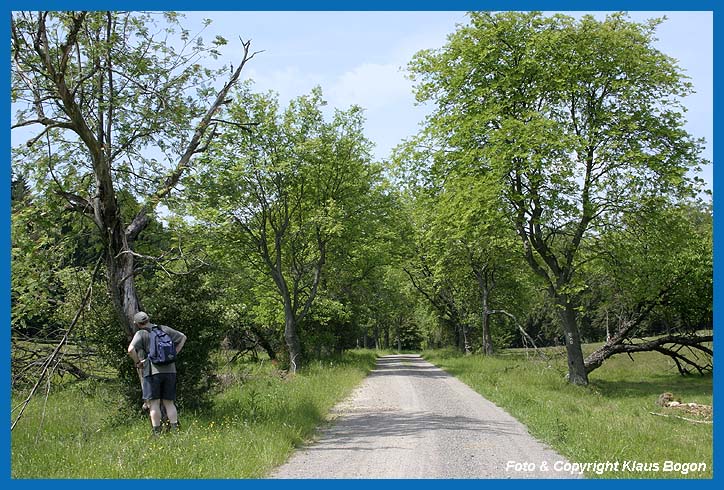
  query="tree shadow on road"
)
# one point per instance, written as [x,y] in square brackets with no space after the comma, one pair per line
[406,365]
[400,424]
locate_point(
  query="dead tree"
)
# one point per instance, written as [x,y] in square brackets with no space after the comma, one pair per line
[106,93]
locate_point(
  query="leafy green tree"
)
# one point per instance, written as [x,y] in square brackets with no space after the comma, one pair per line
[373,242]
[120,110]
[37,253]
[434,269]
[577,121]
[655,280]
[283,193]
[465,262]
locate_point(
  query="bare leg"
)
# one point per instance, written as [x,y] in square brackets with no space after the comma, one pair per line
[155,412]
[171,412]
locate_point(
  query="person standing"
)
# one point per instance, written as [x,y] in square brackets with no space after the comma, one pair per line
[159,381]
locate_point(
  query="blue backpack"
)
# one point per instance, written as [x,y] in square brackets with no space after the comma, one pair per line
[162,350]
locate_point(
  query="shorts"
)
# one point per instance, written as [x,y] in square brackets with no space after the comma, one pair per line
[159,386]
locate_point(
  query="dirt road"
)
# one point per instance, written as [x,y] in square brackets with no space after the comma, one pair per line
[410,419]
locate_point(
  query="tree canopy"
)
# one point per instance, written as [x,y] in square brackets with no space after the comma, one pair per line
[549,199]
[577,123]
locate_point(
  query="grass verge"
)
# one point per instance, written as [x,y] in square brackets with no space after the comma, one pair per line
[610,420]
[255,424]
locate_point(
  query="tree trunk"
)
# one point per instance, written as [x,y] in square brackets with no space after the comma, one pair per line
[291,338]
[577,373]
[486,282]
[123,291]
[466,345]
[487,339]
[263,341]
[457,331]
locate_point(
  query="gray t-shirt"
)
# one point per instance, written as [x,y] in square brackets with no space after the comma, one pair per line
[140,343]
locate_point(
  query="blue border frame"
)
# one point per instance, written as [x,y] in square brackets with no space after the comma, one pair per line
[352,5]
[360,5]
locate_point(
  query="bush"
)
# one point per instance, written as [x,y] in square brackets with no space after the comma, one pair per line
[187,303]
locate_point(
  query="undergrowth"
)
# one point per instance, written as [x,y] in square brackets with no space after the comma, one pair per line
[259,416]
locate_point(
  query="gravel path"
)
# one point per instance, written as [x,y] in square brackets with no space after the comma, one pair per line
[410,419]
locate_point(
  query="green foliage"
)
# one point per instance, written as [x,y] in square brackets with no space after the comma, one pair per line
[153,101]
[556,160]
[572,152]
[117,104]
[566,127]
[291,192]
[49,247]
[660,257]
[187,303]
[464,257]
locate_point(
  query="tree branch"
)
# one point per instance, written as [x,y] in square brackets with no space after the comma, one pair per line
[140,221]
[660,344]
[57,351]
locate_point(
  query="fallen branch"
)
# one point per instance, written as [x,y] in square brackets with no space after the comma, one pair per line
[51,361]
[670,345]
[682,418]
[526,336]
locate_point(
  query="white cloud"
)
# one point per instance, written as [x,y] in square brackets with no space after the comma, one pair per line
[371,86]
[289,82]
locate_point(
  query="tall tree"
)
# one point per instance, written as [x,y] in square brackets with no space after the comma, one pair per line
[434,270]
[283,192]
[577,119]
[464,256]
[123,103]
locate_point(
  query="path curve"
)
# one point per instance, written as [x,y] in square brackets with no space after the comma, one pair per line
[410,419]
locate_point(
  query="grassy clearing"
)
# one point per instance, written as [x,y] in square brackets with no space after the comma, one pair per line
[255,424]
[609,420]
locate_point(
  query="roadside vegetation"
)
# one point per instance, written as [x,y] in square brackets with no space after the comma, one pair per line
[611,419]
[529,210]
[260,414]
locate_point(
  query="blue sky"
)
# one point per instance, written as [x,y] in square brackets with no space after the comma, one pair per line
[359,58]
[355,58]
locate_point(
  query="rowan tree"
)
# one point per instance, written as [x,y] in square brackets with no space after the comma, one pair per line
[283,193]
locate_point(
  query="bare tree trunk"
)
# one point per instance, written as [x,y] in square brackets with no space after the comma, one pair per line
[466,344]
[120,264]
[577,373]
[487,339]
[486,283]
[291,338]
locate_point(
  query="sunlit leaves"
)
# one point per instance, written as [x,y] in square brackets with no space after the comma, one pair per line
[286,189]
[137,79]
[576,124]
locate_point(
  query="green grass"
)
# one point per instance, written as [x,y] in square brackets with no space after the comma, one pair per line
[260,418]
[255,424]
[609,420]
